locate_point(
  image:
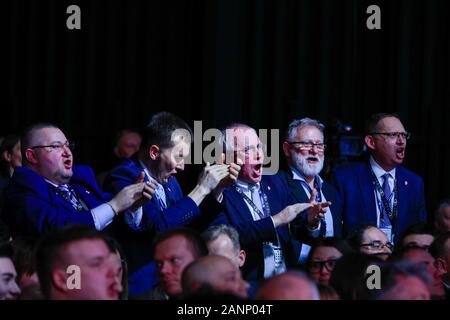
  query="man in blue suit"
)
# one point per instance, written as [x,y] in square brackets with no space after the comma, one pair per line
[260,208]
[381,192]
[48,192]
[304,149]
[166,143]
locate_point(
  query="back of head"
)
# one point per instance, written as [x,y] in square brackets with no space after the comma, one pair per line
[420,234]
[440,248]
[291,285]
[160,129]
[7,145]
[50,251]
[442,216]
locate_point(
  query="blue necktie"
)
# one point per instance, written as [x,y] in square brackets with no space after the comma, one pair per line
[384,221]
[65,192]
[318,199]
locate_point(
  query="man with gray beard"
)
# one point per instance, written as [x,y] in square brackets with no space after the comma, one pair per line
[304,149]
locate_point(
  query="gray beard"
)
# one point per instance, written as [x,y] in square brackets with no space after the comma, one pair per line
[306,169]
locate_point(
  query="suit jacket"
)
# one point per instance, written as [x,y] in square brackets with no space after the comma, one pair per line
[137,245]
[356,191]
[298,193]
[252,233]
[32,206]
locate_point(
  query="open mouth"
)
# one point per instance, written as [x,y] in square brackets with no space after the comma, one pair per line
[312,160]
[68,164]
[400,153]
[258,168]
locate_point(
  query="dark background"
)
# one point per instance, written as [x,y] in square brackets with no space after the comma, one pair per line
[259,62]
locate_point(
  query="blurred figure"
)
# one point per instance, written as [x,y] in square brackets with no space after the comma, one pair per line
[291,285]
[213,274]
[327,292]
[349,277]
[403,280]
[127,143]
[420,256]
[174,250]
[98,275]
[442,216]
[323,256]
[121,263]
[440,250]
[10,155]
[371,241]
[25,261]
[418,235]
[9,290]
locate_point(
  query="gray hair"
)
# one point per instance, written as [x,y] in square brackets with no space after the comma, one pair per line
[300,123]
[213,232]
[224,138]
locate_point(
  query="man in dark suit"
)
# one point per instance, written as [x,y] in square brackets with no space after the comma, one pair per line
[259,208]
[304,149]
[48,192]
[380,191]
[166,143]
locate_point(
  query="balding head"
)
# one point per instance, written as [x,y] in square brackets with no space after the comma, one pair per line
[288,286]
[214,273]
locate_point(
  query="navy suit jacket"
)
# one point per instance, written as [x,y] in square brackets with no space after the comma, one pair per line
[32,207]
[137,245]
[357,193]
[298,193]
[253,234]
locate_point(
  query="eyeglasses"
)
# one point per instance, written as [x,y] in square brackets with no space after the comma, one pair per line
[376,245]
[394,135]
[315,266]
[304,145]
[56,146]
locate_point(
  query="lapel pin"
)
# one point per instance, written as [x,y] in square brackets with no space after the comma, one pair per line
[406,183]
[268,188]
[169,189]
[87,192]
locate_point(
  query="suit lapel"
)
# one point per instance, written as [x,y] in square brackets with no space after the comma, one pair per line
[367,191]
[402,200]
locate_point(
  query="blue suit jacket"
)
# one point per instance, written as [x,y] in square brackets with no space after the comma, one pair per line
[252,233]
[137,245]
[298,193]
[356,190]
[32,207]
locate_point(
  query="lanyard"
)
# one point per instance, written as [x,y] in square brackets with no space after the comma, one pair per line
[392,214]
[264,202]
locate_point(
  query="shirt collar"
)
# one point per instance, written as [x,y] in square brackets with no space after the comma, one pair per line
[297,176]
[378,170]
[54,184]
[245,186]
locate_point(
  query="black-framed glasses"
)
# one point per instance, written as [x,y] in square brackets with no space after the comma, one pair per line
[394,135]
[56,146]
[377,245]
[315,266]
[306,145]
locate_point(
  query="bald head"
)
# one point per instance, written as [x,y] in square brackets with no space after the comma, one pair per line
[288,286]
[215,273]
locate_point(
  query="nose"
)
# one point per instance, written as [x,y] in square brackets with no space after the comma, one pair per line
[164,268]
[15,290]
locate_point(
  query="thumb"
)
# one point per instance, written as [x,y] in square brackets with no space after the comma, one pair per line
[140,177]
[222,158]
[239,161]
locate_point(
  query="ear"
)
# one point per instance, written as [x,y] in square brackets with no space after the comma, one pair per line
[370,141]
[31,156]
[59,280]
[441,265]
[286,149]
[153,152]
[242,256]
[6,156]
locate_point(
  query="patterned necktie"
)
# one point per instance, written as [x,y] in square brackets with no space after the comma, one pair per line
[161,196]
[384,221]
[65,192]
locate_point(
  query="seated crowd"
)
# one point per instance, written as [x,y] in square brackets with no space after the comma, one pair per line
[131,233]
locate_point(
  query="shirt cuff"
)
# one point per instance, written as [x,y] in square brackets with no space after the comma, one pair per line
[102,215]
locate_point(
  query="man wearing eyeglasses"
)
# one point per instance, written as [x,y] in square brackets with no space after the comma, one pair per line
[304,149]
[49,192]
[381,192]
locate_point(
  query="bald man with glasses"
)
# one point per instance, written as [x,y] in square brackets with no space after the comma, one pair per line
[380,191]
[49,192]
